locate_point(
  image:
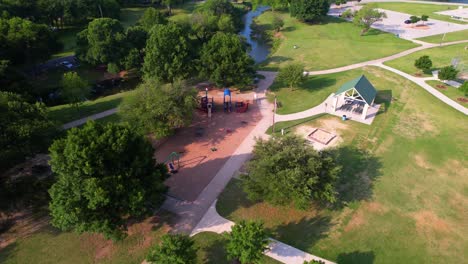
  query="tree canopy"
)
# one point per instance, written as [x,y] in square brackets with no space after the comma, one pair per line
[292,74]
[464,88]
[367,16]
[447,73]
[102,42]
[74,88]
[24,129]
[309,10]
[286,170]
[173,249]
[168,53]
[105,174]
[152,17]
[247,242]
[423,63]
[224,60]
[160,109]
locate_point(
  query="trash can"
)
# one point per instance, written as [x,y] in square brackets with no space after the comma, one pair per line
[344,118]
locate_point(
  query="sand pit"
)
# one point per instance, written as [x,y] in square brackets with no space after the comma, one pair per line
[420,27]
[321,136]
[207,144]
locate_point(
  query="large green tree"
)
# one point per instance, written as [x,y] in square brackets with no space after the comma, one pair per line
[160,109]
[74,88]
[168,53]
[224,60]
[22,41]
[366,17]
[247,242]
[287,170]
[447,73]
[24,129]
[423,63]
[104,41]
[309,10]
[106,174]
[151,17]
[173,249]
[292,74]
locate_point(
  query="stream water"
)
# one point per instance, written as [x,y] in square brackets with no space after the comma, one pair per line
[260,49]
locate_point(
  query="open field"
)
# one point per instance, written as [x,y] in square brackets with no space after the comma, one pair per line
[67,113]
[451,92]
[211,249]
[418,9]
[403,201]
[50,245]
[440,56]
[332,44]
[449,37]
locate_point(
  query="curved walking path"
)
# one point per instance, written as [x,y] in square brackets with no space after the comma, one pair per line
[83,120]
[388,58]
[422,82]
[213,222]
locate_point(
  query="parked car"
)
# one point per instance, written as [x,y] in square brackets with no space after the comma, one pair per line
[407,21]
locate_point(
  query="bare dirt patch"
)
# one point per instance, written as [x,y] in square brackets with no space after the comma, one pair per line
[356,221]
[24,223]
[428,222]
[375,207]
[421,162]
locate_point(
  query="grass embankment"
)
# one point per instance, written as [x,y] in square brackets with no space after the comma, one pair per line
[211,249]
[449,37]
[332,44]
[418,9]
[67,113]
[404,202]
[50,245]
[451,92]
[440,56]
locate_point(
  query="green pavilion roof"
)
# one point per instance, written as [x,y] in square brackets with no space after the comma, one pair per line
[362,86]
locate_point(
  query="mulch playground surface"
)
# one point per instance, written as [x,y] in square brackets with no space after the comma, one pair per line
[207,144]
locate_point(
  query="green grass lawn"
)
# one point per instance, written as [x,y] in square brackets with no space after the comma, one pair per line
[211,249]
[451,92]
[440,56]
[419,9]
[404,202]
[67,113]
[332,44]
[449,37]
[317,88]
[49,245]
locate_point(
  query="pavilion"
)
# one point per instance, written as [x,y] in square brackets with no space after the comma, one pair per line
[354,98]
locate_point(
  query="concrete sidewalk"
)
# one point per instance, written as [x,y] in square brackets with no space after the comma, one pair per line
[213,222]
[83,120]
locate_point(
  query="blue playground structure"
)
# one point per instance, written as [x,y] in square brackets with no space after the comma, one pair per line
[227,104]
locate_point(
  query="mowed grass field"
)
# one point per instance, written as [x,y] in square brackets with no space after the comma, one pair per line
[449,37]
[332,44]
[403,202]
[67,113]
[440,56]
[49,245]
[418,9]
[451,92]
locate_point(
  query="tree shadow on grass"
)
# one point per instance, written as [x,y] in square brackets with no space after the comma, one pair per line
[373,32]
[384,98]
[304,233]
[215,250]
[233,198]
[360,168]
[356,257]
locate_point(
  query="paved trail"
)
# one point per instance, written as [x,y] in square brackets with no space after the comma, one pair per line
[83,120]
[382,60]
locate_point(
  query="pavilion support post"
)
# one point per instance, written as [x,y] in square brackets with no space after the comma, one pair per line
[335,102]
[364,112]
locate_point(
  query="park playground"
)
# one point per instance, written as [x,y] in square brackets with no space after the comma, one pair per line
[201,149]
